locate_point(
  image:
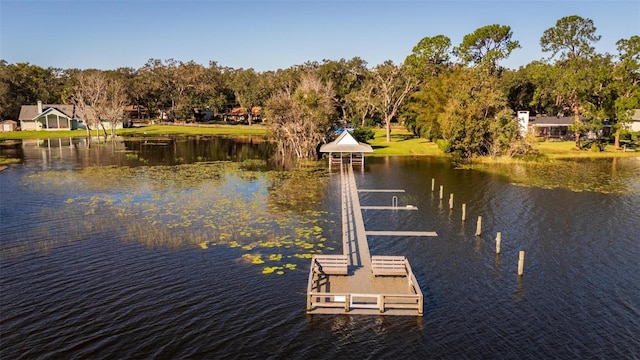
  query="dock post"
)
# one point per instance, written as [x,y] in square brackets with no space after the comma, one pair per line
[479,226]
[346,302]
[441,188]
[498,240]
[309,301]
[433,184]
[464,212]
[381,303]
[451,201]
[521,263]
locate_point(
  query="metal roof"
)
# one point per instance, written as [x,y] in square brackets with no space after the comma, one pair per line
[345,143]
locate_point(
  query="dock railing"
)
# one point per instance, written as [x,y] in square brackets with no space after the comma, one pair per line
[331,264]
[324,265]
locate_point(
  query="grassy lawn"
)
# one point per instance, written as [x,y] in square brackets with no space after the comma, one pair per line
[145,130]
[567,149]
[15,135]
[232,130]
[402,143]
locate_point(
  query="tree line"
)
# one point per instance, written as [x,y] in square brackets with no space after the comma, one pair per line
[458,96]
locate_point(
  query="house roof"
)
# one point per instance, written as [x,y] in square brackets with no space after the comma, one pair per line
[345,143]
[30,112]
[553,120]
[132,108]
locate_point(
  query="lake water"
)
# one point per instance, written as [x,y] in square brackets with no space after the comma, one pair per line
[196,248]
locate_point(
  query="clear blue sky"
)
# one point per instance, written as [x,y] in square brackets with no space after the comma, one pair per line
[271,35]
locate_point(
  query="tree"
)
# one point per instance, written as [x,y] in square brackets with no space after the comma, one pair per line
[300,121]
[430,56]
[475,119]
[247,86]
[626,82]
[391,86]
[422,109]
[23,83]
[99,98]
[359,102]
[487,45]
[571,39]
[175,86]
[430,62]
[347,76]
[598,106]
[216,90]
[518,88]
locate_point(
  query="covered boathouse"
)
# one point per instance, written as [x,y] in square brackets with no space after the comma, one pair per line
[345,149]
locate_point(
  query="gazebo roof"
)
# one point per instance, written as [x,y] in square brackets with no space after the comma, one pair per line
[345,143]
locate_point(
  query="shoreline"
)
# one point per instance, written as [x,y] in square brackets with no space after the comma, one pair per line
[403,143]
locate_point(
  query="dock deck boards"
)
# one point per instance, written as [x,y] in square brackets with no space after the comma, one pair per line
[360,283]
[402,233]
[375,207]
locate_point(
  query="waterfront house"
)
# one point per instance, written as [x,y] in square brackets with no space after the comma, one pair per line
[48,117]
[552,127]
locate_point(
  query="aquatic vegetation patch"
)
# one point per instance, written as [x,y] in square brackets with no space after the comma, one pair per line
[275,213]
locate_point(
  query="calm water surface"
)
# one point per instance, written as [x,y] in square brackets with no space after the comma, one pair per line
[75,284]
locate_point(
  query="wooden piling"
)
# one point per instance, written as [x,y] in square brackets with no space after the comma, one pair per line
[479,226]
[451,201]
[346,303]
[498,240]
[433,184]
[441,190]
[521,263]
[464,212]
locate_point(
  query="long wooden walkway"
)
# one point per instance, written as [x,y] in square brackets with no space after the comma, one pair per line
[355,282]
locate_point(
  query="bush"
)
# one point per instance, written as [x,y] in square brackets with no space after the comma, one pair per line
[363,134]
[444,145]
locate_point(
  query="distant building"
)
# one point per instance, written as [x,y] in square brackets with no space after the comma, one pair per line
[552,127]
[634,125]
[523,121]
[8,125]
[136,112]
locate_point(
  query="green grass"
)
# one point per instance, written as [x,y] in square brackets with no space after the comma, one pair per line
[16,135]
[146,130]
[567,149]
[231,130]
[402,143]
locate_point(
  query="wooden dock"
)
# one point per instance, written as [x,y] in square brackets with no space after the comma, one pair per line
[355,282]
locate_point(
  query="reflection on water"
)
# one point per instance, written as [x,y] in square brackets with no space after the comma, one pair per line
[121,251]
[139,151]
[605,175]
